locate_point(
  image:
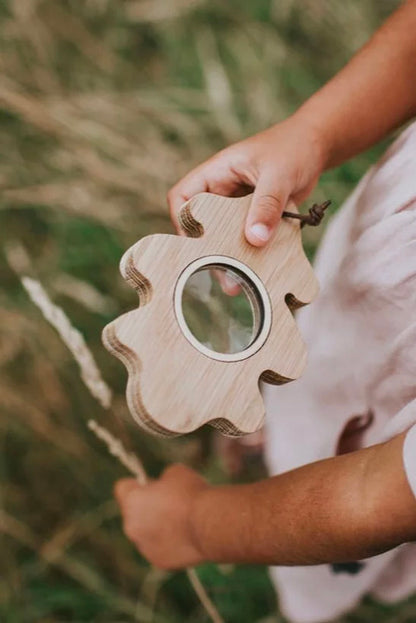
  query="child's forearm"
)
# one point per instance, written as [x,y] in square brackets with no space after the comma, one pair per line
[339,509]
[373,94]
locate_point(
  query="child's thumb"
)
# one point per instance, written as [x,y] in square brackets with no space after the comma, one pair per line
[269,201]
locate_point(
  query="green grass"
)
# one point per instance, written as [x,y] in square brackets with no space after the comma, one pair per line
[103,105]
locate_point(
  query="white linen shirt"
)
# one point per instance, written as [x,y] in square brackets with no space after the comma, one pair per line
[361,338]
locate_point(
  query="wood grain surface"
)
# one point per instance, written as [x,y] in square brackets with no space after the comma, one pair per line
[172,387]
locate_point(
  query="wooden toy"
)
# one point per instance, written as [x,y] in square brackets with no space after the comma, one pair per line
[181,374]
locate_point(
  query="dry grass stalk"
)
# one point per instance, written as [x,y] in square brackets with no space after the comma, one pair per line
[134,465]
[116,448]
[159,10]
[203,596]
[84,293]
[73,339]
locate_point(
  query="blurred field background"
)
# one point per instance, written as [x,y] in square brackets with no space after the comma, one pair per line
[103,105]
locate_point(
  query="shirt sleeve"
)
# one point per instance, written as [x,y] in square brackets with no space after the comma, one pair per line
[409,457]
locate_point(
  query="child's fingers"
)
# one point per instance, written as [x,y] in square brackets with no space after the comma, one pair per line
[123,490]
[229,284]
[214,176]
[269,200]
[192,184]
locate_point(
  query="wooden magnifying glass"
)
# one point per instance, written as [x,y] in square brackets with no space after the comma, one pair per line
[215,317]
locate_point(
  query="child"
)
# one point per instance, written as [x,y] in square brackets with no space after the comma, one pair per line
[350,422]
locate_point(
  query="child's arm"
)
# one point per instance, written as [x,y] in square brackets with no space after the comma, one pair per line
[373,94]
[336,510]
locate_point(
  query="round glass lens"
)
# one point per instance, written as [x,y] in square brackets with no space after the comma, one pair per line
[222,308]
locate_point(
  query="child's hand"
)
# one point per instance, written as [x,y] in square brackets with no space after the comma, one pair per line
[373,94]
[281,163]
[157,516]
[328,511]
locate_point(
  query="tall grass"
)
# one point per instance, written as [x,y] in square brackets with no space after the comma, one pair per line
[103,105]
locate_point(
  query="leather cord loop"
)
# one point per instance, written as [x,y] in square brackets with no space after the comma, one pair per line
[315,214]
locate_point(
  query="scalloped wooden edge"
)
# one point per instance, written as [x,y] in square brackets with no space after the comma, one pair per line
[193,228]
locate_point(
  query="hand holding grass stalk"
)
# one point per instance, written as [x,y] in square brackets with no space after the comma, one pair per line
[135,466]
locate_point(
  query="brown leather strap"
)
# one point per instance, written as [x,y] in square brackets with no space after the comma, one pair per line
[315,214]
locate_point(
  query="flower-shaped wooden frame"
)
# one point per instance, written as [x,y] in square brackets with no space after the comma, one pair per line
[173,387]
